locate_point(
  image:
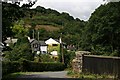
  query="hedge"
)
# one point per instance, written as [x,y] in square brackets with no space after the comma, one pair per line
[27,66]
[36,67]
[10,67]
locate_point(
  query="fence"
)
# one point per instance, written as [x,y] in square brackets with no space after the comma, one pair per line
[101,65]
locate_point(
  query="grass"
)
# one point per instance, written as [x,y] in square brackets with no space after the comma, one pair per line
[17,74]
[72,74]
[13,75]
[47,27]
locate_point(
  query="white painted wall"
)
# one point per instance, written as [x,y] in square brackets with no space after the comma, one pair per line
[43,48]
[54,53]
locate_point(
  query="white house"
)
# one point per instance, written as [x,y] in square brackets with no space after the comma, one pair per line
[52,41]
[43,47]
[53,46]
[9,41]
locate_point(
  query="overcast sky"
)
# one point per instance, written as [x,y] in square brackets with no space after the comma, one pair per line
[81,9]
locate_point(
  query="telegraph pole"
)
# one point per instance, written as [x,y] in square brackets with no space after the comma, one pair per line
[62,54]
[61,44]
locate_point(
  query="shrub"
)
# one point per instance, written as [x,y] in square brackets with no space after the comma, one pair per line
[68,57]
[22,49]
[45,66]
[10,67]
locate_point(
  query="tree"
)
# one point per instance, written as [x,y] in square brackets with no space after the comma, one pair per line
[10,14]
[102,31]
[68,57]
[21,50]
[19,28]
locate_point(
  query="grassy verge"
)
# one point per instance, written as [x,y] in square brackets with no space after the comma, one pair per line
[72,74]
[14,75]
[17,74]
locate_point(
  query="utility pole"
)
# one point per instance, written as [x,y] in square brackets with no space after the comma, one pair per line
[62,54]
[39,45]
[61,44]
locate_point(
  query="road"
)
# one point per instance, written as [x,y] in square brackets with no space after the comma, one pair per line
[59,75]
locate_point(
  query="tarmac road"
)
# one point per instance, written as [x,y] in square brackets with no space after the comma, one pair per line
[59,74]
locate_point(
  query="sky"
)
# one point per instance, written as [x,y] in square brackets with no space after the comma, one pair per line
[81,9]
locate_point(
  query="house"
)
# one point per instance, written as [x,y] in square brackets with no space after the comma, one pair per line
[43,47]
[53,46]
[34,45]
[38,46]
[9,41]
[71,47]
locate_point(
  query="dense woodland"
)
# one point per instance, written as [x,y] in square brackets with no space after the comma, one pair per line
[100,34]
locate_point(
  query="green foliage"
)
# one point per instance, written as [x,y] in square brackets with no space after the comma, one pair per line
[44,58]
[25,65]
[19,28]
[10,13]
[48,66]
[68,57]
[102,31]
[41,16]
[100,34]
[22,49]
[89,76]
[115,53]
[10,67]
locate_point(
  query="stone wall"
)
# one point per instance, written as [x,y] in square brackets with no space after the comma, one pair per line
[77,61]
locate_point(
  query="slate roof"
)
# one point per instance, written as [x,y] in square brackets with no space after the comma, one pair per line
[57,40]
[42,43]
[31,40]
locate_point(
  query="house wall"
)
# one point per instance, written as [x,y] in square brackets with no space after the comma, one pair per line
[53,45]
[54,48]
[35,46]
[43,48]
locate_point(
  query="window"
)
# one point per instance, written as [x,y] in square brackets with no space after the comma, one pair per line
[35,45]
[54,44]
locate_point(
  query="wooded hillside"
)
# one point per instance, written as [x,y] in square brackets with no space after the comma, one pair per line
[100,34]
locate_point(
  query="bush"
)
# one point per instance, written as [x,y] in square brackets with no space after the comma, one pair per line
[46,58]
[44,66]
[23,66]
[68,57]
[10,67]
